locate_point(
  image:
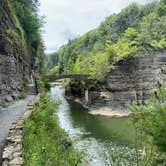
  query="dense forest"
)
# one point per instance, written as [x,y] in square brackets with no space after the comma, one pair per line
[135,30]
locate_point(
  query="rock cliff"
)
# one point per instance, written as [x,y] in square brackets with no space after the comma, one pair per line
[132,79]
[14,57]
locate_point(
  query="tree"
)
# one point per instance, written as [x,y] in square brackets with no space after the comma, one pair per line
[150,121]
[26,12]
[135,30]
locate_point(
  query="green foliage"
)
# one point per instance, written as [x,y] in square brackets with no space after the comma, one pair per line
[97,66]
[125,47]
[94,41]
[44,141]
[136,29]
[51,60]
[23,95]
[153,31]
[75,87]
[100,68]
[28,18]
[54,70]
[150,122]
[26,79]
[45,84]
[161,9]
[25,11]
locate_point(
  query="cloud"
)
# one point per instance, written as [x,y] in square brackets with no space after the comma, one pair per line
[66,19]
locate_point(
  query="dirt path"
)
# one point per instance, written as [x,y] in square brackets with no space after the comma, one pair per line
[8,116]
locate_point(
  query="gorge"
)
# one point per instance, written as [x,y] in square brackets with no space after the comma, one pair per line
[123,57]
[19,55]
[108,109]
[13,54]
[132,80]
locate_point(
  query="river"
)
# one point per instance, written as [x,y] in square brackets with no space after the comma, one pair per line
[102,141]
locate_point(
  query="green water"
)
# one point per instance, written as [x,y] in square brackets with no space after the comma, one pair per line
[119,130]
[102,141]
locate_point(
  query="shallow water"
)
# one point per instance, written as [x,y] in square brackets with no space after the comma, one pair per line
[102,141]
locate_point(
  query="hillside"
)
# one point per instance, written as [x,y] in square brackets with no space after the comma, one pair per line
[21,47]
[135,30]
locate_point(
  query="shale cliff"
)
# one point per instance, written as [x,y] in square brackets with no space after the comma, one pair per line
[14,57]
[132,80]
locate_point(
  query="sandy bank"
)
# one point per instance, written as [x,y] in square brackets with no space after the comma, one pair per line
[103,111]
[106,111]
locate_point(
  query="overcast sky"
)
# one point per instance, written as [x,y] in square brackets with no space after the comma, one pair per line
[67,19]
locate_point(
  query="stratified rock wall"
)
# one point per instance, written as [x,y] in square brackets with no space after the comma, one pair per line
[133,79]
[13,55]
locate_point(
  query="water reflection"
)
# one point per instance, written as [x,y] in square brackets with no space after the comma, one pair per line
[103,140]
[118,130]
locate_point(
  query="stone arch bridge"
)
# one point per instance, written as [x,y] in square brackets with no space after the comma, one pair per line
[83,77]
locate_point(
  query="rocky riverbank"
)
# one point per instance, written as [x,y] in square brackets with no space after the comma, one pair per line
[106,111]
[134,79]
[102,110]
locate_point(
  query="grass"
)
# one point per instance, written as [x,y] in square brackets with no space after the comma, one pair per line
[23,95]
[44,142]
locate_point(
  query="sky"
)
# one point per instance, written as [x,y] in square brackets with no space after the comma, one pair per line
[68,19]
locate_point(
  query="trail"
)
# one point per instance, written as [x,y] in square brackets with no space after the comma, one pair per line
[8,116]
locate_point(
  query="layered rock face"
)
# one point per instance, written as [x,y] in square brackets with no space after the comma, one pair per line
[133,79]
[13,55]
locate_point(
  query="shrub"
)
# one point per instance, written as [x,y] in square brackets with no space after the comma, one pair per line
[150,124]
[44,141]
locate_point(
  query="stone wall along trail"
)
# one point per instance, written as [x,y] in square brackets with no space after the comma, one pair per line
[8,116]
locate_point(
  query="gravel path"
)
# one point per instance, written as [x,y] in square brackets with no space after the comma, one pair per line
[8,116]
